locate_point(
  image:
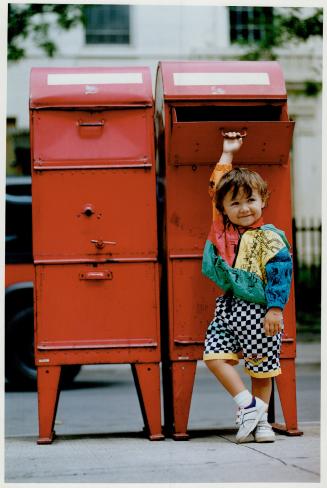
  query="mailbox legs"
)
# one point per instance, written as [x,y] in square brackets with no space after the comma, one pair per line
[183,375]
[147,382]
[287,395]
[48,395]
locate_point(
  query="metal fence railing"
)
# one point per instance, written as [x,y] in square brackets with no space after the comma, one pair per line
[307,242]
[307,274]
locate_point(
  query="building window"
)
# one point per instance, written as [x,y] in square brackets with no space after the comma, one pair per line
[250,24]
[107,24]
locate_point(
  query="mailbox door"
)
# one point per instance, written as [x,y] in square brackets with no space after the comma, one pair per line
[109,306]
[67,138]
[74,211]
[200,142]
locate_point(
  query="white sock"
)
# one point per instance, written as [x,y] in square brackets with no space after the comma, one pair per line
[243,399]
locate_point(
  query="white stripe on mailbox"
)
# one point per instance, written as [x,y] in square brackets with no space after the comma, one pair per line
[197,79]
[95,78]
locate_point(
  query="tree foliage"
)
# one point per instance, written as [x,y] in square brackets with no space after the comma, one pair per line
[34,21]
[288,26]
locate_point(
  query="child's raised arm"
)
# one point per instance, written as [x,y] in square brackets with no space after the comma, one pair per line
[232,143]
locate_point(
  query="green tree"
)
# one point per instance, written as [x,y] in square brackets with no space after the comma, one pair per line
[34,21]
[289,25]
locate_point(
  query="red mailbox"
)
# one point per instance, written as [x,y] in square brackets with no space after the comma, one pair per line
[94,230]
[195,103]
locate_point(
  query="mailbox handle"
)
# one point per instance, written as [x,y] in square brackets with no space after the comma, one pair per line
[99,123]
[243,132]
[96,275]
[100,243]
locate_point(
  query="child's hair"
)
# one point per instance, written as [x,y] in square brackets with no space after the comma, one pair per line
[240,178]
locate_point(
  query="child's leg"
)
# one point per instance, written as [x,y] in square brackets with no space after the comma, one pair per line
[227,375]
[261,388]
[251,409]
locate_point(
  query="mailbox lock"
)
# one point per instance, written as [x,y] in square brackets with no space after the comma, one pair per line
[100,244]
[88,210]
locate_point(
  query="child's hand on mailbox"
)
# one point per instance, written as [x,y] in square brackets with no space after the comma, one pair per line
[273,322]
[232,142]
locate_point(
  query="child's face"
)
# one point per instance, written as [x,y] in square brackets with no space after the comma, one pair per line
[243,210]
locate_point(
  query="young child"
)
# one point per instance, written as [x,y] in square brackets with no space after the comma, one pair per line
[250,261]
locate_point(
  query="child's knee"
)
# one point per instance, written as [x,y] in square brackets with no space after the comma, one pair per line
[214,364]
[261,381]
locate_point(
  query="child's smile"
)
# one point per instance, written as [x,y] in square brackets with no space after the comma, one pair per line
[243,210]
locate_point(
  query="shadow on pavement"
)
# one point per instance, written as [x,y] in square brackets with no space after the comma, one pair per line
[77,385]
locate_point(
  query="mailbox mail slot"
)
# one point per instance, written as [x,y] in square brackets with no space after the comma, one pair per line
[251,101]
[91,117]
[99,139]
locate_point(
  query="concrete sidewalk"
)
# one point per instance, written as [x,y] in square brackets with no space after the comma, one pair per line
[308,353]
[119,453]
[208,457]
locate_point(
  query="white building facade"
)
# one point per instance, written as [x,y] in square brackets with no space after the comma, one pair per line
[149,34]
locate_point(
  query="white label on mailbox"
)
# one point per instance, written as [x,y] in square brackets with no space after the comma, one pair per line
[95,78]
[196,79]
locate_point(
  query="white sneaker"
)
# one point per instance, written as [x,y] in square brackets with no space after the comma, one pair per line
[248,418]
[264,432]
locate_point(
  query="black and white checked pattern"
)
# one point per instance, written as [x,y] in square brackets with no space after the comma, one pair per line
[238,326]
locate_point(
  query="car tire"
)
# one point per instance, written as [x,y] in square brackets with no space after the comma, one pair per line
[20,370]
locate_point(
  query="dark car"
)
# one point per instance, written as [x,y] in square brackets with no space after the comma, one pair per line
[20,369]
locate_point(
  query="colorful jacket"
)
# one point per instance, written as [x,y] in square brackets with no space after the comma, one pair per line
[255,265]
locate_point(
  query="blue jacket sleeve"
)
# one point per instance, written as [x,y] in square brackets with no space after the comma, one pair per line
[279,278]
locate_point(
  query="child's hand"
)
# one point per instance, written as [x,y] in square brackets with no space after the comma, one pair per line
[232,142]
[273,321]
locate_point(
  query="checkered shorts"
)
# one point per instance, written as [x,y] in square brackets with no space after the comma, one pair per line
[238,327]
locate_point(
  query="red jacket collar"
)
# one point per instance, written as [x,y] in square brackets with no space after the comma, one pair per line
[255,225]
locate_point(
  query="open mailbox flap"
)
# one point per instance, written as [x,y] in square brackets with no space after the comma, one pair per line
[207,98]
[201,143]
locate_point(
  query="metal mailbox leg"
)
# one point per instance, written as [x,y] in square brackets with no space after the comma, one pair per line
[147,382]
[286,385]
[271,406]
[183,375]
[48,395]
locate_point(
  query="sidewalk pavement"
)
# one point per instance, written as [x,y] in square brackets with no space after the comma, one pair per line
[308,353]
[210,456]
